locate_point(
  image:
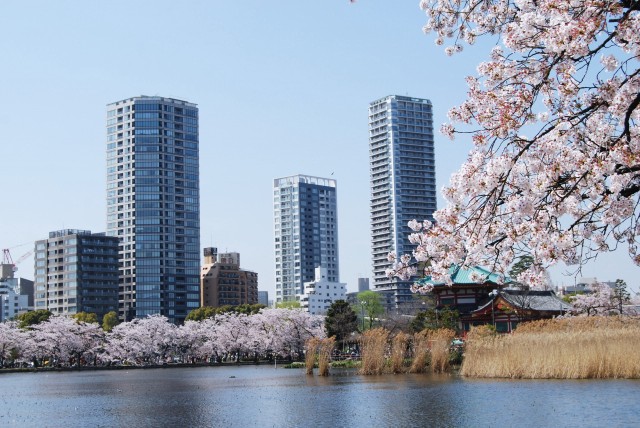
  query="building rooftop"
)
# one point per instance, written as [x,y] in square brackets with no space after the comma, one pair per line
[536,300]
[461,276]
[403,98]
[153,98]
[67,232]
[308,179]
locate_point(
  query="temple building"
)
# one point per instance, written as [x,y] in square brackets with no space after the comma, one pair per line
[482,297]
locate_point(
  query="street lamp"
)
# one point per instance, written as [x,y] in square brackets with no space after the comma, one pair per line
[493,294]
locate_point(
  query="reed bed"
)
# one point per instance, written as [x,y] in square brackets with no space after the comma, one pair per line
[572,348]
[399,345]
[310,356]
[420,352]
[373,347]
[432,348]
[440,347]
[325,349]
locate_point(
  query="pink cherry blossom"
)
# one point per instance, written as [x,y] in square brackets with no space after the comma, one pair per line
[555,168]
[598,301]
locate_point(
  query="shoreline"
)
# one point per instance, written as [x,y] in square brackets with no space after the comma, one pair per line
[127,367]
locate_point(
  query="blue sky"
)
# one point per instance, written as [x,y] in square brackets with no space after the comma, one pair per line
[283,88]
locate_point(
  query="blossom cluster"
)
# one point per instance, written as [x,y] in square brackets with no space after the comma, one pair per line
[597,301]
[63,341]
[555,168]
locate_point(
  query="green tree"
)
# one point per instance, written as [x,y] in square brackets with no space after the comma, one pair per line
[523,263]
[205,312]
[248,309]
[620,296]
[32,318]
[86,317]
[370,304]
[341,320]
[292,304]
[202,313]
[110,320]
[433,319]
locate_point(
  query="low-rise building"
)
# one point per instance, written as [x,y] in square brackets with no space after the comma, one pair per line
[77,271]
[15,296]
[321,293]
[583,286]
[223,282]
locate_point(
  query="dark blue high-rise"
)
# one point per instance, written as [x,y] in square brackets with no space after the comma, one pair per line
[153,204]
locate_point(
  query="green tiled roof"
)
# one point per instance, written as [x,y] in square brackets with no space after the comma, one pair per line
[461,276]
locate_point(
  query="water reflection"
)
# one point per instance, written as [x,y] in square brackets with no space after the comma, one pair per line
[263,396]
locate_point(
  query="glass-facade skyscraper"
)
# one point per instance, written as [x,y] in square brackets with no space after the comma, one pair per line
[403,184]
[153,204]
[306,232]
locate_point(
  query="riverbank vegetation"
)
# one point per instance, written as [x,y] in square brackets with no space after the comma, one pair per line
[571,348]
[428,350]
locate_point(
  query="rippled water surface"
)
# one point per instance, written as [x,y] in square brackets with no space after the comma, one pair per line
[263,396]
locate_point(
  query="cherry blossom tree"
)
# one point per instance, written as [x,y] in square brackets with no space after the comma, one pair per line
[195,341]
[296,326]
[597,302]
[150,340]
[283,331]
[554,172]
[63,341]
[210,343]
[10,340]
[232,333]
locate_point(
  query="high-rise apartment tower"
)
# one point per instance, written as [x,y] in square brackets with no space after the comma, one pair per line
[306,232]
[403,184]
[153,204]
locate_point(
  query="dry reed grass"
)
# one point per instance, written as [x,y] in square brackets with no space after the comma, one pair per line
[325,349]
[373,346]
[420,352]
[440,347]
[571,348]
[398,352]
[310,356]
[431,348]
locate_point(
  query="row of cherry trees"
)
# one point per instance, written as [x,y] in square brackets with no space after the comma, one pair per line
[63,341]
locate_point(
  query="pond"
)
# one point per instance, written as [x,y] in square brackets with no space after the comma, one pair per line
[242,396]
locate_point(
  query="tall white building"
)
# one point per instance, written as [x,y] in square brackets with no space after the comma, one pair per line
[403,183]
[306,232]
[153,204]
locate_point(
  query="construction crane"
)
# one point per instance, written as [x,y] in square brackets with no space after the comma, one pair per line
[8,260]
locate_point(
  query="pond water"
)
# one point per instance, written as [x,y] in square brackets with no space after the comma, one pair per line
[244,396]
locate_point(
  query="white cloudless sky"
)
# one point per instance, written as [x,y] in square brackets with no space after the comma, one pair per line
[282,87]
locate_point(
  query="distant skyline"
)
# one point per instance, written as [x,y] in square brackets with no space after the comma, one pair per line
[282,88]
